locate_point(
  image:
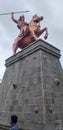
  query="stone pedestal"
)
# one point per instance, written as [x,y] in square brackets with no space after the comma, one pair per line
[32,88]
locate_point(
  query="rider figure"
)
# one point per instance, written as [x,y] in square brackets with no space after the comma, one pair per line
[22,25]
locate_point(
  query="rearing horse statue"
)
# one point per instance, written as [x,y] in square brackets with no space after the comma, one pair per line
[29,32]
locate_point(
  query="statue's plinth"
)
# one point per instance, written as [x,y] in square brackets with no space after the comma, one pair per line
[29,89]
[32,48]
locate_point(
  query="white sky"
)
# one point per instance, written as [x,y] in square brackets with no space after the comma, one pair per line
[52,10]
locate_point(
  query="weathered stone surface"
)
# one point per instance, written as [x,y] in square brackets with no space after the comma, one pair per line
[28,88]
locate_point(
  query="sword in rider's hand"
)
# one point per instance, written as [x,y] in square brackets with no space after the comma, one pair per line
[15,12]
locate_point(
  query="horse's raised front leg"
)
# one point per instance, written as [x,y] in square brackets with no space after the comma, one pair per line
[46,32]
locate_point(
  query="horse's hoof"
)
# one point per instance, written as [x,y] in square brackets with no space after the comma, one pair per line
[45,37]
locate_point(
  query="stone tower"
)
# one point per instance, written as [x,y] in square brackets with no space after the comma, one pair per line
[32,88]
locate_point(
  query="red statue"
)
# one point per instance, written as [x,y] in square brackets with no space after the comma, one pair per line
[29,32]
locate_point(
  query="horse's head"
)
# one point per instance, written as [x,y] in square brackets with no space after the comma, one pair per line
[37,19]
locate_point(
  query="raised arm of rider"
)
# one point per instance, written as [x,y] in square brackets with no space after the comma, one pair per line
[12,17]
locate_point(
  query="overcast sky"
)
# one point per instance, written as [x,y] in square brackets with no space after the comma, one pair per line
[52,10]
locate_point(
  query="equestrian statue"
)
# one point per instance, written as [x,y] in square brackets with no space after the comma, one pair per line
[29,32]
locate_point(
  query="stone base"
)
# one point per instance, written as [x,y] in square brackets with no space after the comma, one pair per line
[32,88]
